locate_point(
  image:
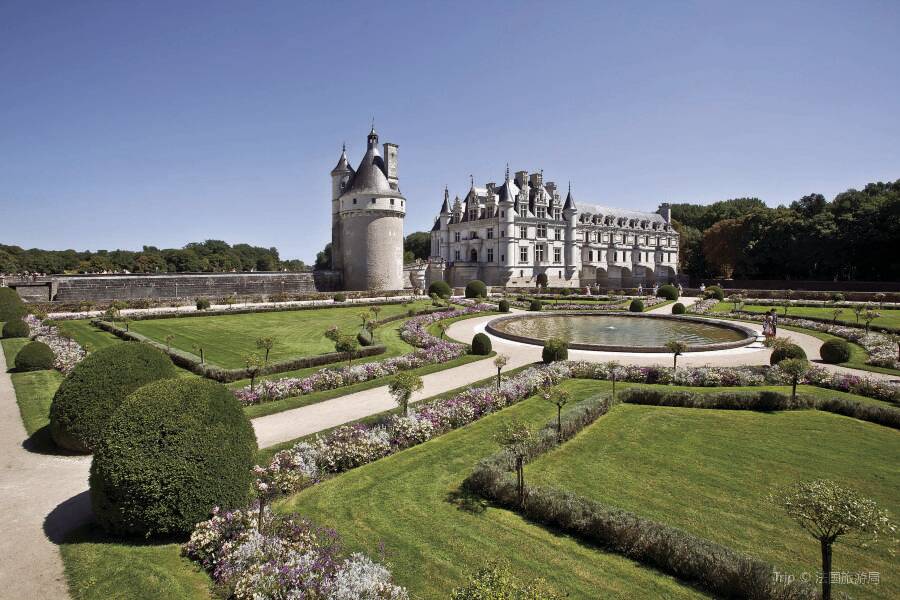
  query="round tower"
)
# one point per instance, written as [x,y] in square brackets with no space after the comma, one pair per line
[370,216]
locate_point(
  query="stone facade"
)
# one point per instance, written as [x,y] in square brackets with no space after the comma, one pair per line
[509,234]
[367,212]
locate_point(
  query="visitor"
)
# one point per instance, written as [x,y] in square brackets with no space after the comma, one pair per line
[680,290]
[768,328]
[655,288]
[774,316]
[640,289]
[702,288]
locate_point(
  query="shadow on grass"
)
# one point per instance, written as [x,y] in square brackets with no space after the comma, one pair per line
[467,501]
[41,442]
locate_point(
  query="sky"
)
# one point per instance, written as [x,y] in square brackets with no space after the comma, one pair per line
[125,124]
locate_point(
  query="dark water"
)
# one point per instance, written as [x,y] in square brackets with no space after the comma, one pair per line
[610,330]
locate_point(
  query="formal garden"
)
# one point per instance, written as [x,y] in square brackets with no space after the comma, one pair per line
[632,481]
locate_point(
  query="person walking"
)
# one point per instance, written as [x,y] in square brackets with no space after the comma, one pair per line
[768,329]
[773,314]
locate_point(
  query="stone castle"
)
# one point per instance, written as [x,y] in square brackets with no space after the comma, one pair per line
[367,211]
[508,235]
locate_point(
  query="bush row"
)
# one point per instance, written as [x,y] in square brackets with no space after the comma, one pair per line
[11,305]
[192,363]
[764,401]
[881,328]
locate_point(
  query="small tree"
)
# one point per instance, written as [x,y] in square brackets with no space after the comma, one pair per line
[828,512]
[879,298]
[614,369]
[500,362]
[332,333]
[835,313]
[364,317]
[402,387]
[560,398]
[868,317]
[859,309]
[198,348]
[677,348]
[346,344]
[895,337]
[254,363]
[127,322]
[514,437]
[169,339]
[736,299]
[375,311]
[265,343]
[442,328]
[795,368]
[786,303]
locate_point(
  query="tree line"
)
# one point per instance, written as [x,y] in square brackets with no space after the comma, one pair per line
[211,256]
[855,236]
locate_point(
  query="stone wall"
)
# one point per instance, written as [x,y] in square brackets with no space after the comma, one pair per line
[75,288]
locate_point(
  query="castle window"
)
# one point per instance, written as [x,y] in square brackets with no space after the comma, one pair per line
[559,274]
[455,236]
[541,212]
[401,203]
[541,230]
[456,254]
[558,234]
[557,214]
[539,252]
[490,255]
[523,232]
[502,213]
[473,235]
[354,201]
[523,254]
[490,233]
[590,256]
[392,201]
[502,257]
[557,255]
[502,233]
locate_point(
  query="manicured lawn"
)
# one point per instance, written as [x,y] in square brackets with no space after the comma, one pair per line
[34,393]
[708,472]
[11,347]
[100,568]
[435,540]
[87,335]
[227,338]
[890,317]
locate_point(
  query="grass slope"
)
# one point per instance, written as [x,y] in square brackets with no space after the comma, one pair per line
[708,472]
[226,338]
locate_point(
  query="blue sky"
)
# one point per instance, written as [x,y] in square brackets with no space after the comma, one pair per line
[132,123]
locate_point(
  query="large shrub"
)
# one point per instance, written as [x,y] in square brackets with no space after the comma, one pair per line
[555,349]
[11,305]
[481,344]
[172,451]
[441,288]
[98,384]
[202,304]
[476,289]
[17,328]
[637,305]
[535,304]
[34,356]
[785,352]
[365,338]
[667,291]
[835,351]
[339,297]
[678,309]
[504,306]
[714,291]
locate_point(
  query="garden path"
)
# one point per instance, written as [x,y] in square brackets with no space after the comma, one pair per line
[41,498]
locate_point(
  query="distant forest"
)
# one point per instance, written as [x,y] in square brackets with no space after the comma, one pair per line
[856,236]
[211,256]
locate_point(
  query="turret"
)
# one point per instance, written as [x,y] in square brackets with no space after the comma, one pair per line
[570,216]
[340,177]
[444,225]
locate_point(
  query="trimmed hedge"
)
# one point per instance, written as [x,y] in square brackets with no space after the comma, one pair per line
[667,291]
[16,328]
[98,384]
[481,344]
[11,305]
[441,288]
[172,451]
[678,309]
[503,306]
[835,351]
[365,338]
[714,291]
[476,289]
[785,352]
[535,304]
[637,305]
[34,356]
[555,349]
[339,297]
[203,304]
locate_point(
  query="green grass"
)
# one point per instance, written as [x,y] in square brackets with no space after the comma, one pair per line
[227,338]
[34,393]
[435,539]
[708,472]
[87,335]
[890,317]
[100,568]
[11,347]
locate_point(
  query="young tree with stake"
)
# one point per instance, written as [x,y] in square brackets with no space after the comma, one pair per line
[402,387]
[265,343]
[253,363]
[560,398]
[795,368]
[514,437]
[677,348]
[346,344]
[500,362]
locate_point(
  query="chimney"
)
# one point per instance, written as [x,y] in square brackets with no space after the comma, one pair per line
[390,162]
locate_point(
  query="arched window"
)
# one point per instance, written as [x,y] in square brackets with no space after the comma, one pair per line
[474,255]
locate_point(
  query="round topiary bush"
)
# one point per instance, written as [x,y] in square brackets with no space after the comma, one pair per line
[11,305]
[785,352]
[504,306]
[476,289]
[678,309]
[365,338]
[835,351]
[17,328]
[202,304]
[98,384]
[667,291]
[714,291]
[172,451]
[339,297]
[555,349]
[637,305]
[481,344]
[535,304]
[441,288]
[34,356]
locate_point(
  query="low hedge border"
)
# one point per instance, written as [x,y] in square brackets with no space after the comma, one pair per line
[192,363]
[827,321]
[713,567]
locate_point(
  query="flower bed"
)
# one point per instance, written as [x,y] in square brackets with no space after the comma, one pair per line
[66,352]
[649,301]
[290,558]
[701,307]
[431,350]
